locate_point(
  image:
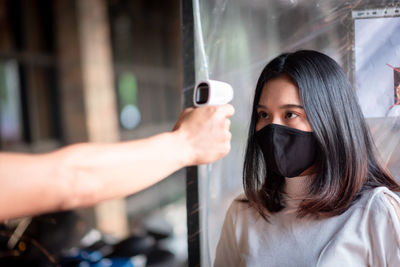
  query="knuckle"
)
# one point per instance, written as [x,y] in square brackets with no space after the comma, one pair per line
[213,110]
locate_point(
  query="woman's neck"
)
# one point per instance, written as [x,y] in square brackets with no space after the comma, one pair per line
[295,189]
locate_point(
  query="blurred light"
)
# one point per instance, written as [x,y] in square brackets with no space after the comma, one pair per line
[130,116]
[10,124]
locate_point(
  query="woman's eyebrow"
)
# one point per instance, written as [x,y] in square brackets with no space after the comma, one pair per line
[261,106]
[291,106]
[283,106]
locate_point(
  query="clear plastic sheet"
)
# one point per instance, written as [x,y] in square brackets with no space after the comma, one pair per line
[236,38]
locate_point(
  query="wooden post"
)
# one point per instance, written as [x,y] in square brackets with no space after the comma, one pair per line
[99,98]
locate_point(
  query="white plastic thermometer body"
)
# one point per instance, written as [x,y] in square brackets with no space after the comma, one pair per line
[212,93]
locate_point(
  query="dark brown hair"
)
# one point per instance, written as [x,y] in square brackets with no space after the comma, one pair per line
[347,160]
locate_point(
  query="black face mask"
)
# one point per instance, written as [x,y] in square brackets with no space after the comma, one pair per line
[287,151]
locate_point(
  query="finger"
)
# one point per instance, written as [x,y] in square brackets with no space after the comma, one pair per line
[207,110]
[227,110]
[227,124]
[229,136]
[228,143]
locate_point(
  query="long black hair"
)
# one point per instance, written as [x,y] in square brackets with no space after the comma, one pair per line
[347,162]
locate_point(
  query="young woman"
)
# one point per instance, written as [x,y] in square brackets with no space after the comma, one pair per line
[315,191]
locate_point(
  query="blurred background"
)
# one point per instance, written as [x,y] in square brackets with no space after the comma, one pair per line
[97,71]
[108,70]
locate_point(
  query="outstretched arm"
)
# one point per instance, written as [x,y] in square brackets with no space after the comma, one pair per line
[85,174]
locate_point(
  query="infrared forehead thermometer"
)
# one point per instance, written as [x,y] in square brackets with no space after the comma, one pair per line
[212,93]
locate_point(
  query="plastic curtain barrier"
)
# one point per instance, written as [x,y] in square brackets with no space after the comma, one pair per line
[236,38]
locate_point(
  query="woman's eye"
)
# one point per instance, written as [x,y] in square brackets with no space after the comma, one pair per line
[262,115]
[291,115]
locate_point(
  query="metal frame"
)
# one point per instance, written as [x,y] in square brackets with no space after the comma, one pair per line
[192,189]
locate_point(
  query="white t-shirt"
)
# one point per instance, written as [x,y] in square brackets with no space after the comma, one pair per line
[367,234]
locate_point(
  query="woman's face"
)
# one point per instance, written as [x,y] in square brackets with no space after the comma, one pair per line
[280,104]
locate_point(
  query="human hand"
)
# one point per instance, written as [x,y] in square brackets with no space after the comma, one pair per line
[205,130]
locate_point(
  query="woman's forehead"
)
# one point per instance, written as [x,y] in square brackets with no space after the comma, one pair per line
[279,91]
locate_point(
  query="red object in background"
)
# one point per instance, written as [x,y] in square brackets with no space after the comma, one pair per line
[396,84]
[396,79]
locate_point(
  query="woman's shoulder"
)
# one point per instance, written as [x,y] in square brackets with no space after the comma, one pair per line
[240,208]
[240,202]
[382,211]
[380,194]
[381,200]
